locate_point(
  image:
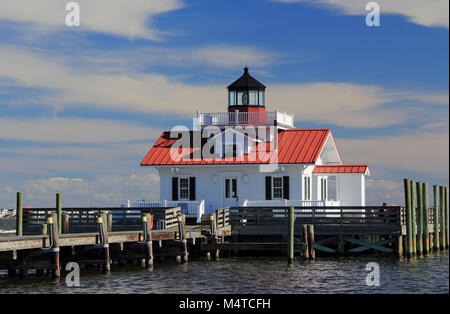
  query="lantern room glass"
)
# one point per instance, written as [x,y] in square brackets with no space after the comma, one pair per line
[246,98]
[232,98]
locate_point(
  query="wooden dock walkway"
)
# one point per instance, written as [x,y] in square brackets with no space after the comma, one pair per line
[49,238]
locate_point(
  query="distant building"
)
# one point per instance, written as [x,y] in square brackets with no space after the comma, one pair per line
[249,156]
[5,212]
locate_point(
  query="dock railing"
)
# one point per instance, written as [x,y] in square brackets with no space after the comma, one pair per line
[355,219]
[189,208]
[86,219]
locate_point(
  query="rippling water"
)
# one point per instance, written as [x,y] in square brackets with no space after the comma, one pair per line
[254,275]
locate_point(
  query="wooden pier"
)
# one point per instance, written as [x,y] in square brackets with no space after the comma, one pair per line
[47,239]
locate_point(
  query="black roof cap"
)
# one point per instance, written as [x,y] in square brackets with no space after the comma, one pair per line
[246,82]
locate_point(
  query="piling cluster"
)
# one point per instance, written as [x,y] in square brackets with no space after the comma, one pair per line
[307,235]
[427,228]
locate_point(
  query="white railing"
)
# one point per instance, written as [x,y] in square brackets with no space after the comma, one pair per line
[285,119]
[262,203]
[253,118]
[190,208]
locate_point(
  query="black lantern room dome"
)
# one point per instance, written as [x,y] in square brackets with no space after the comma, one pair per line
[246,91]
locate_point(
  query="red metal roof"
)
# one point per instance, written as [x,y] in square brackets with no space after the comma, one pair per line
[295,146]
[341,169]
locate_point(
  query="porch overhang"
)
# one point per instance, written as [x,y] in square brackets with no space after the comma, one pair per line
[341,170]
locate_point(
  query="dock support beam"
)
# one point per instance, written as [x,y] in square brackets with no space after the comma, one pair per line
[291,217]
[109,222]
[340,245]
[414,217]
[305,240]
[55,246]
[182,233]
[59,212]
[19,215]
[400,246]
[442,217]
[312,251]
[436,217]
[446,217]
[146,220]
[104,241]
[419,219]
[65,223]
[425,215]
[409,228]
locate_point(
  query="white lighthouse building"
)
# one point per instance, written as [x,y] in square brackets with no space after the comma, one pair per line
[248,156]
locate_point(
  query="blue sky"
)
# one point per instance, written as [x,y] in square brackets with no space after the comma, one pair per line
[79,107]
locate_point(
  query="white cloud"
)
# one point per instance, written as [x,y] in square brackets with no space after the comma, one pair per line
[117,17]
[72,130]
[420,152]
[231,56]
[352,105]
[343,104]
[422,12]
[379,191]
[111,190]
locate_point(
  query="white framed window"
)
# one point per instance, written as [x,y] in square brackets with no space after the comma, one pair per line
[277,187]
[261,98]
[306,188]
[183,187]
[323,189]
[230,188]
[253,97]
[232,98]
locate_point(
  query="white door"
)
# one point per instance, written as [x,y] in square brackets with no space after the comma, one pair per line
[230,192]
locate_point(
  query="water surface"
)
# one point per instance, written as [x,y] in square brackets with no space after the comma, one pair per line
[254,275]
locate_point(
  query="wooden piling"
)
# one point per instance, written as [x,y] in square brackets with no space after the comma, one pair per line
[290,250]
[425,214]
[181,231]
[109,222]
[305,240]
[400,246]
[65,223]
[442,218]
[419,216]
[446,217]
[436,217]
[212,219]
[340,246]
[19,215]
[53,225]
[409,232]
[104,241]
[149,242]
[59,211]
[312,251]
[414,216]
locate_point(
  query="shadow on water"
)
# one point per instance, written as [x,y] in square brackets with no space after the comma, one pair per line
[254,275]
